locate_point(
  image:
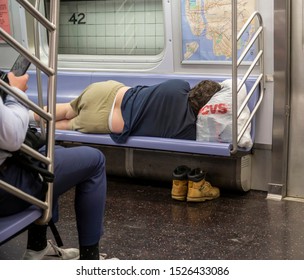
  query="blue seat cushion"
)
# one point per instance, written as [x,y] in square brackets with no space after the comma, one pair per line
[11,225]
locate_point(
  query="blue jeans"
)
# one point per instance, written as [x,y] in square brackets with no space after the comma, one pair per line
[79,167]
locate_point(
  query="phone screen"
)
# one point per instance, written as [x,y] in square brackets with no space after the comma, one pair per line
[20,66]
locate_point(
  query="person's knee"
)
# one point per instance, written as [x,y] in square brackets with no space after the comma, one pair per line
[70,113]
[63,125]
[101,158]
[97,156]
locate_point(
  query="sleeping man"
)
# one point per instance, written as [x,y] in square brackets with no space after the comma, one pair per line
[167,110]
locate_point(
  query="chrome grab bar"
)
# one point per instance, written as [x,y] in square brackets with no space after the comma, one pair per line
[236,63]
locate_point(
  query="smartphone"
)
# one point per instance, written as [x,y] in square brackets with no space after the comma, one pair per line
[20,66]
[3,76]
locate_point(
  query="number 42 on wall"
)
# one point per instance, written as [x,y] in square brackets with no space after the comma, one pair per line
[78,18]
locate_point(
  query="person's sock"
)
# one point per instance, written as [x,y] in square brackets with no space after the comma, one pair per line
[37,240]
[89,252]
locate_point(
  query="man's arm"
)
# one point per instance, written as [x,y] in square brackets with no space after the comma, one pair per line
[14,116]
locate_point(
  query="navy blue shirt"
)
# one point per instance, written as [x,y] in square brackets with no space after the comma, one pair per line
[160,110]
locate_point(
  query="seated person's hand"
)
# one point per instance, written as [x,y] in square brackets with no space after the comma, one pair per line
[18,82]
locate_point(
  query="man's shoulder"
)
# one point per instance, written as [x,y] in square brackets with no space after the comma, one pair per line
[180,83]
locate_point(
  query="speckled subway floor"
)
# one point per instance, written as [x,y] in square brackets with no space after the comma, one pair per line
[142,222]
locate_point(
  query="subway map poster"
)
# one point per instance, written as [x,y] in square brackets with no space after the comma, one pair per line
[206,30]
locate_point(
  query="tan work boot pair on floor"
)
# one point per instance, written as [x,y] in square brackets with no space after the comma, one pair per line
[191,185]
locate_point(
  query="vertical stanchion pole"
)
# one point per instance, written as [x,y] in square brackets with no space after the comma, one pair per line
[234,75]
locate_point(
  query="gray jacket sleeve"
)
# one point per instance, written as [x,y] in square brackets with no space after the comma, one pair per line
[14,119]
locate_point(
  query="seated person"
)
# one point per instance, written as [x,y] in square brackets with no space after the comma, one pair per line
[82,168]
[167,110]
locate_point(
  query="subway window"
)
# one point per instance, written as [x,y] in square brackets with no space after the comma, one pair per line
[111,27]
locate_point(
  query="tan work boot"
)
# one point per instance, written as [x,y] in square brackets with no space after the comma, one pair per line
[199,189]
[180,183]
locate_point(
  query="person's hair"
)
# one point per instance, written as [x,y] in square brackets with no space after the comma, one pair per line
[201,93]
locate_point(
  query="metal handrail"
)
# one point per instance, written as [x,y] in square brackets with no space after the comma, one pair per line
[236,62]
[49,25]
[38,71]
[22,50]
[50,71]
